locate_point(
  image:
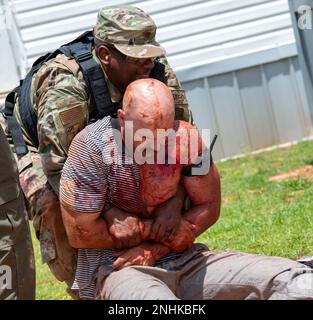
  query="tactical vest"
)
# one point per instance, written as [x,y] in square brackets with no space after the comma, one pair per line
[79,49]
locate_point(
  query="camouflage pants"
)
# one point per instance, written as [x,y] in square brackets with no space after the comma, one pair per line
[44,207]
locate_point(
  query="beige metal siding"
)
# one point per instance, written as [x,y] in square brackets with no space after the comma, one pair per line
[194,32]
[237,60]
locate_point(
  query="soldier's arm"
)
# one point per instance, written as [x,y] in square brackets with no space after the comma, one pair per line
[61,105]
[182,111]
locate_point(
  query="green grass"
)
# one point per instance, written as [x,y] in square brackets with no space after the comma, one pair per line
[257,216]
[47,287]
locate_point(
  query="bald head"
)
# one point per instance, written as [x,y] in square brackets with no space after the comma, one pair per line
[149,104]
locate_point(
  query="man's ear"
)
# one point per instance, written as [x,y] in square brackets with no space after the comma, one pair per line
[104,55]
[121,117]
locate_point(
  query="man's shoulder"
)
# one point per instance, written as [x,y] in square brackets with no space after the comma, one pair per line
[97,133]
[96,141]
[61,61]
[97,128]
[60,67]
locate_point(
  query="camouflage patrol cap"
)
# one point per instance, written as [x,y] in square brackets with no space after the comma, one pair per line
[129,29]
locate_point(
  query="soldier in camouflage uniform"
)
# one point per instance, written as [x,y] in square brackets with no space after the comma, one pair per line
[125,47]
[17,267]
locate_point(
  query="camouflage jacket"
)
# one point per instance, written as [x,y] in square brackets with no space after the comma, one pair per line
[62,104]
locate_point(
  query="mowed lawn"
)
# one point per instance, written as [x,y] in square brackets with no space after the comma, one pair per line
[258,215]
[47,287]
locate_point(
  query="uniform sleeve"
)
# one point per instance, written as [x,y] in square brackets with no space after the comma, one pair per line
[83,181]
[61,104]
[182,111]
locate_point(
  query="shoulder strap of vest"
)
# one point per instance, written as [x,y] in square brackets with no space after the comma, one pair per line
[94,77]
[14,128]
[27,114]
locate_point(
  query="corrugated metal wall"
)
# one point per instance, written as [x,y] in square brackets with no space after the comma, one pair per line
[252,108]
[237,60]
[194,32]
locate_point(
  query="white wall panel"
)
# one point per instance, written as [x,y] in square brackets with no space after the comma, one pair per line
[252,108]
[192,31]
[237,60]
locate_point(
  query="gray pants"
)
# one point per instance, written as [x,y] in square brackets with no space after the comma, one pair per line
[202,274]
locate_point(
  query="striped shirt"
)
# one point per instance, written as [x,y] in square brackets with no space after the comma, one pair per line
[95,174]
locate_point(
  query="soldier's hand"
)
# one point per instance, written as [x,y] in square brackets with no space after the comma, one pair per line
[123,227]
